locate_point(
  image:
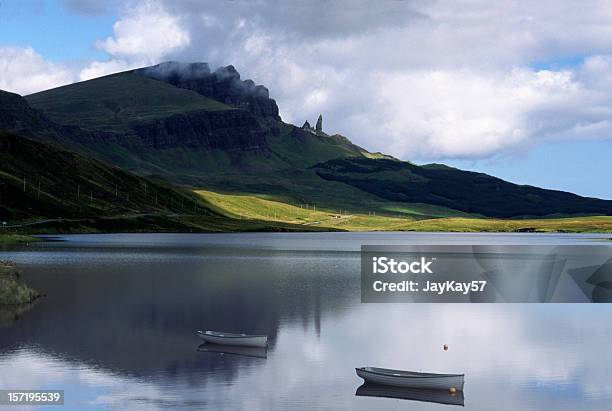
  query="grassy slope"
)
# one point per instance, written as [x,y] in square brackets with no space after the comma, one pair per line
[249,207]
[305,187]
[60,183]
[297,148]
[252,207]
[78,194]
[112,103]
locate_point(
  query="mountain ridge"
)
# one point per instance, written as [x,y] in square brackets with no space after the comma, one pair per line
[224,85]
[155,136]
[159,121]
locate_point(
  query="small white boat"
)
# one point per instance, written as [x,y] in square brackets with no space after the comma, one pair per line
[244,340]
[411,379]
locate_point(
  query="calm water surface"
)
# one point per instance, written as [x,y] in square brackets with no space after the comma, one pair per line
[116,329]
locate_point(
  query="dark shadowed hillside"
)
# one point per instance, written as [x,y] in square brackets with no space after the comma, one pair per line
[41,180]
[461,190]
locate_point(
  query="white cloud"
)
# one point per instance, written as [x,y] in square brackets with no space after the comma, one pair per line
[146,32]
[466,114]
[24,71]
[142,36]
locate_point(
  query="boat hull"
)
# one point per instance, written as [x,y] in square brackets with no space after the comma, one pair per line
[235,339]
[424,381]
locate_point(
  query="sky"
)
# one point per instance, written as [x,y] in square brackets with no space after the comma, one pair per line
[519,90]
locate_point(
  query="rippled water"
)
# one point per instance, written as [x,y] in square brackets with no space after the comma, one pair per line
[116,329]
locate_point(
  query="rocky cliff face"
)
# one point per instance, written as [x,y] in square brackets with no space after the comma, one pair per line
[223,130]
[224,85]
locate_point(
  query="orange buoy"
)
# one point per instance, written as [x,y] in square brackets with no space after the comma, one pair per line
[445,347]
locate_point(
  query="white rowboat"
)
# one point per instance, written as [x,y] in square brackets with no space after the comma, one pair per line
[244,340]
[411,379]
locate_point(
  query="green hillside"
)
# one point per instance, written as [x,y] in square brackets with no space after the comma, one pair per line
[461,190]
[42,180]
[150,127]
[44,188]
[305,187]
[113,103]
[296,148]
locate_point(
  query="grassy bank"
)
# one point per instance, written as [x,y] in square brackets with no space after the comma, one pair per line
[596,224]
[17,238]
[248,208]
[12,290]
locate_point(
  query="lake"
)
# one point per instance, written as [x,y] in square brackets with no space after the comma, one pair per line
[116,328]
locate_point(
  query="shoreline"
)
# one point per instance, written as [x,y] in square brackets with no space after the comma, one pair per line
[350,223]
